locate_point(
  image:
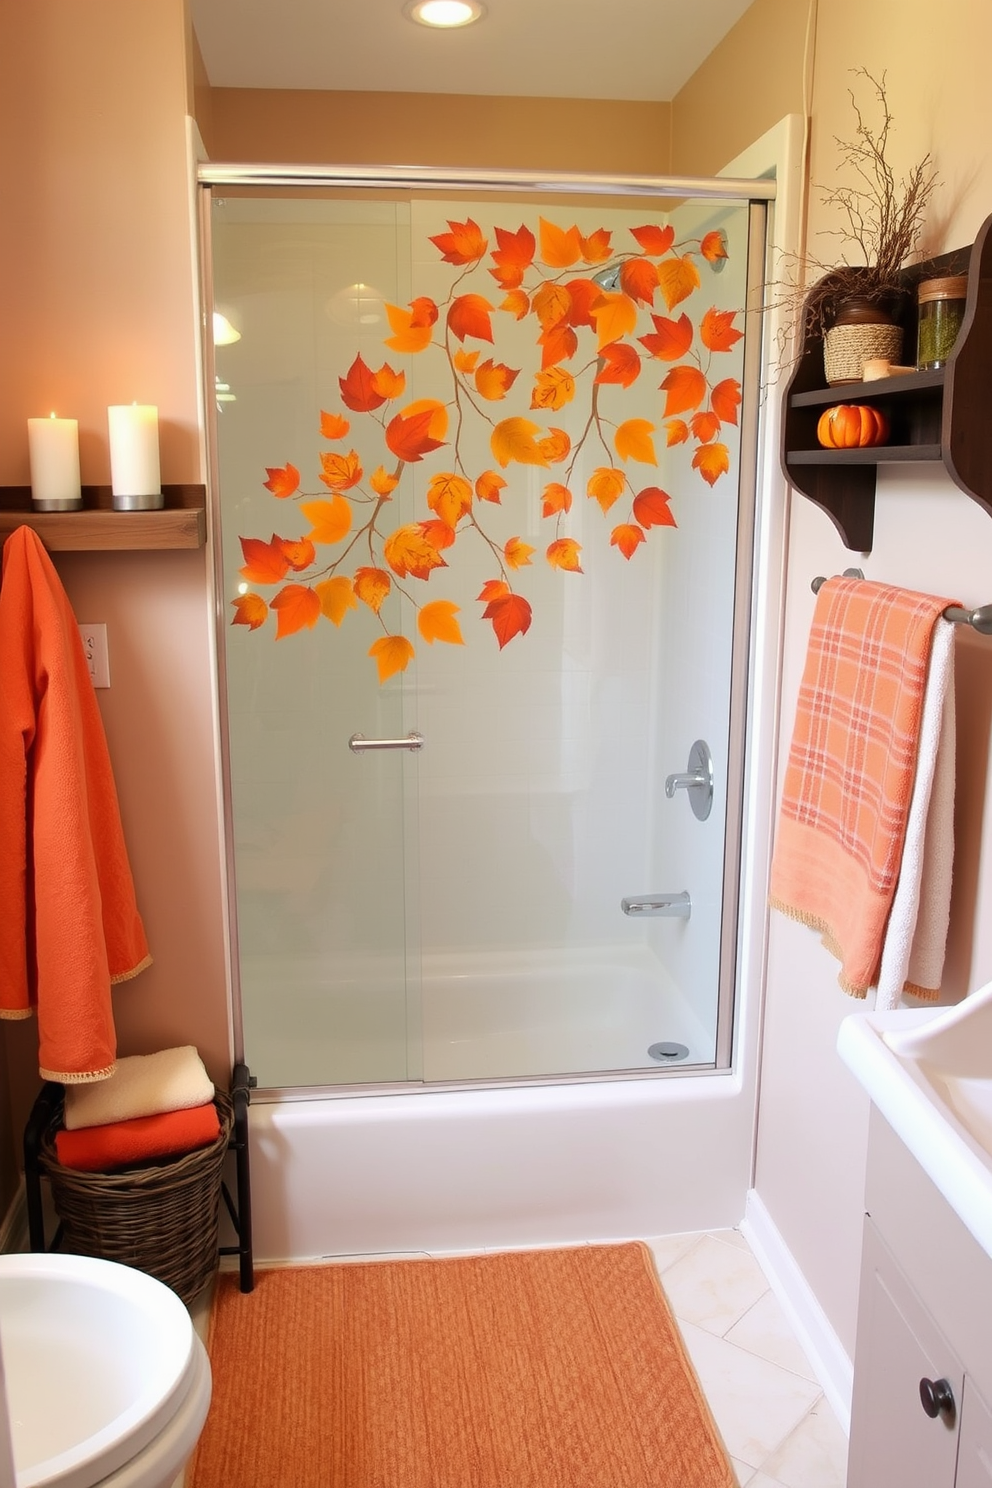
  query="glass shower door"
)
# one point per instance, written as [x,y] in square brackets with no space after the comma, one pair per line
[497,447]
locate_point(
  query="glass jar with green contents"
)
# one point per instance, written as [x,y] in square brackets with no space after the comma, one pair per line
[941,311]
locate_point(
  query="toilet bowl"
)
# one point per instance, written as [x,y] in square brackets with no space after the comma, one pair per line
[107,1383]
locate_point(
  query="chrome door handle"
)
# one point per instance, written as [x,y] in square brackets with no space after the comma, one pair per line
[697,782]
[358,744]
[668,906]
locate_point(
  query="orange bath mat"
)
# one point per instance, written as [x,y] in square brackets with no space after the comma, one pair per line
[530,1369]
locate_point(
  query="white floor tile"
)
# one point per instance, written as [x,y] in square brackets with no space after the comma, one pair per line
[814,1456]
[762,1480]
[764,1330]
[756,1404]
[731,1237]
[667,1249]
[714,1285]
[745,1474]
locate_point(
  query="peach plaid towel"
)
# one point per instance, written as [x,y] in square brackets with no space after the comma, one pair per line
[849,778]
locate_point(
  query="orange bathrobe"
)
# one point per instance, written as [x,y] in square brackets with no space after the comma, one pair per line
[69,924]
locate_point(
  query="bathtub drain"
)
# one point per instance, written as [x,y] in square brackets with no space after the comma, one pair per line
[668,1053]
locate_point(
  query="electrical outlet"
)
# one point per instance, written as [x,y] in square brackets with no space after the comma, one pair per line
[97,659]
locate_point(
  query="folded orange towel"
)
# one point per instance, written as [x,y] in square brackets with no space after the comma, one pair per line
[845,802]
[69,925]
[98,1148]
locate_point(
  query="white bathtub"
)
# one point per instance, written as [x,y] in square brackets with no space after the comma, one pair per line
[444,1171]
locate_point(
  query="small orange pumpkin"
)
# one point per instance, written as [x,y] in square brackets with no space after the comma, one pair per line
[852,426]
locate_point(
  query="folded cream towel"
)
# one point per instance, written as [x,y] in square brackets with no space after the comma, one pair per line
[141,1085]
[916,935]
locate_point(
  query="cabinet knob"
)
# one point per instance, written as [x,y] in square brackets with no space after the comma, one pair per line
[937,1399]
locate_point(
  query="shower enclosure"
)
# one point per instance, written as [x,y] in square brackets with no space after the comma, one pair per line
[483,502]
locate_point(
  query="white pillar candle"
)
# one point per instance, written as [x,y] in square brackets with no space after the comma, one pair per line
[134,460]
[53,445]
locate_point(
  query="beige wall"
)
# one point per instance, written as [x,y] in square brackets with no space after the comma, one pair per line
[563,134]
[97,304]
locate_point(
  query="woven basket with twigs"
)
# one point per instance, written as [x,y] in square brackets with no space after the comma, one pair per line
[160,1217]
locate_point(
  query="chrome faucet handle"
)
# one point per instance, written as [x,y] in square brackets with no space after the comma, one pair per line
[696,780]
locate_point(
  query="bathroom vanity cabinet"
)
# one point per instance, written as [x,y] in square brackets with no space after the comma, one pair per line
[924,1330]
[939,417]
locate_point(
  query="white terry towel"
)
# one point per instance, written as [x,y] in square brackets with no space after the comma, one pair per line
[916,934]
[141,1085]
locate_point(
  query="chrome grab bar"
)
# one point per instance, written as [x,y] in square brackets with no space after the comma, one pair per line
[358,744]
[669,906]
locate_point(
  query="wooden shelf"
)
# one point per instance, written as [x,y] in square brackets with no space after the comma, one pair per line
[940,417]
[181,523]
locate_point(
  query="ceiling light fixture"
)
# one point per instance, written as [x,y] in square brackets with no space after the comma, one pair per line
[445,13]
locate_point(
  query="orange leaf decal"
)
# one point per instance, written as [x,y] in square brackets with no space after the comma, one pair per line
[493,589]
[621,364]
[464,244]
[551,304]
[626,537]
[560,248]
[557,498]
[282,481]
[582,295]
[251,610]
[389,383]
[633,441]
[337,597]
[358,390]
[704,426]
[596,247]
[557,343]
[493,380]
[686,389]
[265,562]
[653,239]
[615,315]
[300,554]
[392,654]
[412,330]
[517,303]
[725,400]
[407,551]
[553,389]
[382,483]
[437,533]
[651,508]
[513,439]
[639,279]
[372,585]
[564,553]
[469,316]
[297,607]
[714,246]
[436,622]
[333,426]
[671,339]
[489,485]
[510,615]
[464,361]
[517,553]
[340,472]
[716,330]
[410,438]
[678,277]
[450,496]
[555,446]
[677,431]
[438,426]
[606,486]
[512,256]
[712,461]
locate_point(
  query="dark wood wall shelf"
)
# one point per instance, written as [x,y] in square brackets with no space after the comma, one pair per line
[181,523]
[940,416]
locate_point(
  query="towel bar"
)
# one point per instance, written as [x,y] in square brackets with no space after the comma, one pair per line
[980,619]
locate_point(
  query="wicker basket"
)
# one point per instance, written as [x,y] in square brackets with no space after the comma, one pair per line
[161,1217]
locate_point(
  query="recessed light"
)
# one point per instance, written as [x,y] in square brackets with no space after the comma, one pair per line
[446,13]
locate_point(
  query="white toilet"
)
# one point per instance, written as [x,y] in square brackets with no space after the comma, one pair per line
[107,1383]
